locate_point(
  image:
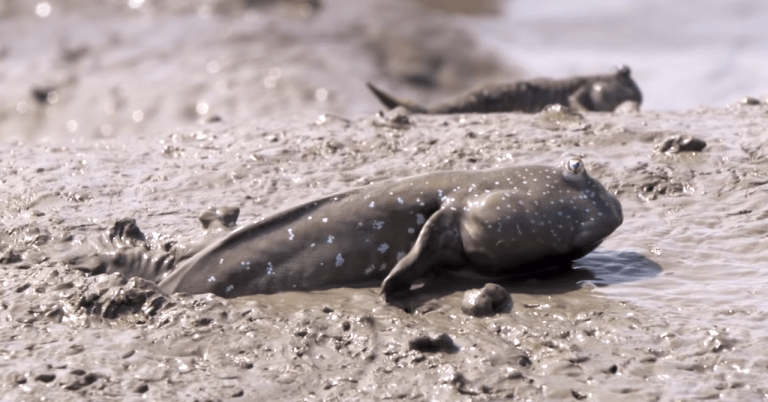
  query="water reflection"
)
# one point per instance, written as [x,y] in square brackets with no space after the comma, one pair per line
[43,9]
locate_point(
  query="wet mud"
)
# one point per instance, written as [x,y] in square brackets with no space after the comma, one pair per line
[669,307]
[109,69]
[143,127]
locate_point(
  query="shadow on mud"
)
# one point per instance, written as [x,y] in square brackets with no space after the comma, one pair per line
[600,268]
[614,267]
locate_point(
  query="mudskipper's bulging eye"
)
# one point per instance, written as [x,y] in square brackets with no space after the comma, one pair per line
[623,70]
[575,165]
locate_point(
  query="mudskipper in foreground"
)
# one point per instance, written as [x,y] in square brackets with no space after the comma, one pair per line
[498,223]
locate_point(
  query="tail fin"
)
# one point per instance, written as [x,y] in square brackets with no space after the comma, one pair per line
[391,102]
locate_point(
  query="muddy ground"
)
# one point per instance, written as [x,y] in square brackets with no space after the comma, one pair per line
[691,330]
[159,110]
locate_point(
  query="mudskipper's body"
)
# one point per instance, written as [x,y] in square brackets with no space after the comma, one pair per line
[498,223]
[588,93]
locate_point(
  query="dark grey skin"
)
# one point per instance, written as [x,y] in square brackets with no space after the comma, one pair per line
[602,93]
[497,223]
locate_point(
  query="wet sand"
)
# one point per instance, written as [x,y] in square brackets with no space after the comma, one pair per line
[691,330]
[670,307]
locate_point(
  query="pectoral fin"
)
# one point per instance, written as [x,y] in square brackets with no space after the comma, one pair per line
[438,243]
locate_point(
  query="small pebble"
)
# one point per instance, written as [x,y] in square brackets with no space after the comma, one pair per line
[433,343]
[748,100]
[485,301]
[681,143]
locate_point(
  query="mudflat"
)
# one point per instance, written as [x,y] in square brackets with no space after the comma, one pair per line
[157,111]
[669,306]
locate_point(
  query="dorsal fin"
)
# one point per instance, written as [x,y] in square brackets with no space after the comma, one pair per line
[391,102]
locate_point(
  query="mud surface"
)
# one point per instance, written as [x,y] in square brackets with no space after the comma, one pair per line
[107,68]
[671,306]
[620,326]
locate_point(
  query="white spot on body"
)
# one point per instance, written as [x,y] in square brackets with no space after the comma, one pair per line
[330,239]
[325,220]
[290,234]
[339,260]
[383,247]
[212,279]
[229,288]
[270,270]
[246,265]
[369,270]
[411,230]
[378,225]
[420,219]
[401,255]
[372,204]
[399,200]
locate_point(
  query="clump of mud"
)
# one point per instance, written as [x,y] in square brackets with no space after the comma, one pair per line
[669,307]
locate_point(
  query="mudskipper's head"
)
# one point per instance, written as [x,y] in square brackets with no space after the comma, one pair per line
[595,211]
[610,91]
